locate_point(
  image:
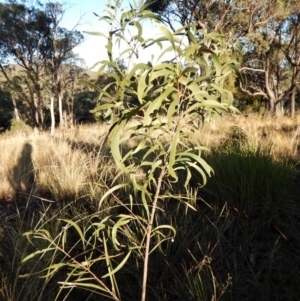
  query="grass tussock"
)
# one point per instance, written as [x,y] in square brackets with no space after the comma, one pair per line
[61,167]
[281,133]
[241,243]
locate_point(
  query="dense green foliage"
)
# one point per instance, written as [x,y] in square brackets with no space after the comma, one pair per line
[6,110]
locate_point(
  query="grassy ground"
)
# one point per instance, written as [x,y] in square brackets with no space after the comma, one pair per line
[242,243]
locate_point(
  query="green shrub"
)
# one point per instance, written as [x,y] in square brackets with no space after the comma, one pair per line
[19,127]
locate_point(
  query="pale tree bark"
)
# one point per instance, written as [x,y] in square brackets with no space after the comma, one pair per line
[293,104]
[65,119]
[60,110]
[270,83]
[63,42]
[36,114]
[16,110]
[52,114]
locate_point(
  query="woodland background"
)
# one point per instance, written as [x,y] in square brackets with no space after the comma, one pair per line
[40,73]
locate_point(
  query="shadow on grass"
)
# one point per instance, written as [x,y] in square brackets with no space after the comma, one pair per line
[21,177]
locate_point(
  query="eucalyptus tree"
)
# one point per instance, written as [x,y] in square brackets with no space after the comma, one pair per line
[291,50]
[6,110]
[58,51]
[271,58]
[7,85]
[267,31]
[23,29]
[31,37]
[207,15]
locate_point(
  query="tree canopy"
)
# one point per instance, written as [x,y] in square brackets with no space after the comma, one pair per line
[268,32]
[36,53]
[32,39]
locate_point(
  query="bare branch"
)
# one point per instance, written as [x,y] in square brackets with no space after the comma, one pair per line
[252,69]
[253,94]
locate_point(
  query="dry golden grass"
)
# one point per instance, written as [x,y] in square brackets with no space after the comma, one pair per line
[280,133]
[64,165]
[77,164]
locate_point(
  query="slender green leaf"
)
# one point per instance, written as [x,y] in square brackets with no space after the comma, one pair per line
[120,265]
[43,251]
[77,228]
[167,33]
[156,103]
[121,222]
[110,191]
[172,160]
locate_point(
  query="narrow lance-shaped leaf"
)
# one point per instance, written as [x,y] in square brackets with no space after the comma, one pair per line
[110,191]
[173,109]
[119,266]
[172,158]
[137,67]
[115,143]
[76,227]
[176,49]
[43,251]
[121,222]
[156,103]
[166,33]
[142,86]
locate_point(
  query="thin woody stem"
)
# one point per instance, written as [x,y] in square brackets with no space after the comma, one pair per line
[148,234]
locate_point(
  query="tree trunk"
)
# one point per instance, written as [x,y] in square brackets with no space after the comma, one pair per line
[16,110]
[272,104]
[69,119]
[52,115]
[61,117]
[278,110]
[293,104]
[65,118]
[71,112]
[35,112]
[275,105]
[39,103]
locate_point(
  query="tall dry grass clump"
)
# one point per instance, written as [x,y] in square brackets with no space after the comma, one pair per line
[77,164]
[282,134]
[59,167]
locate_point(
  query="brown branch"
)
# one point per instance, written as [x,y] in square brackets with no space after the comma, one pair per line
[149,230]
[258,93]
[4,73]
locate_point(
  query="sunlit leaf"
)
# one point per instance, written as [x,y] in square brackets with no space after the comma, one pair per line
[30,256]
[110,191]
[156,103]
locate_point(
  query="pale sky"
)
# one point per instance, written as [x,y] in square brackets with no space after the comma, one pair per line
[93,48]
